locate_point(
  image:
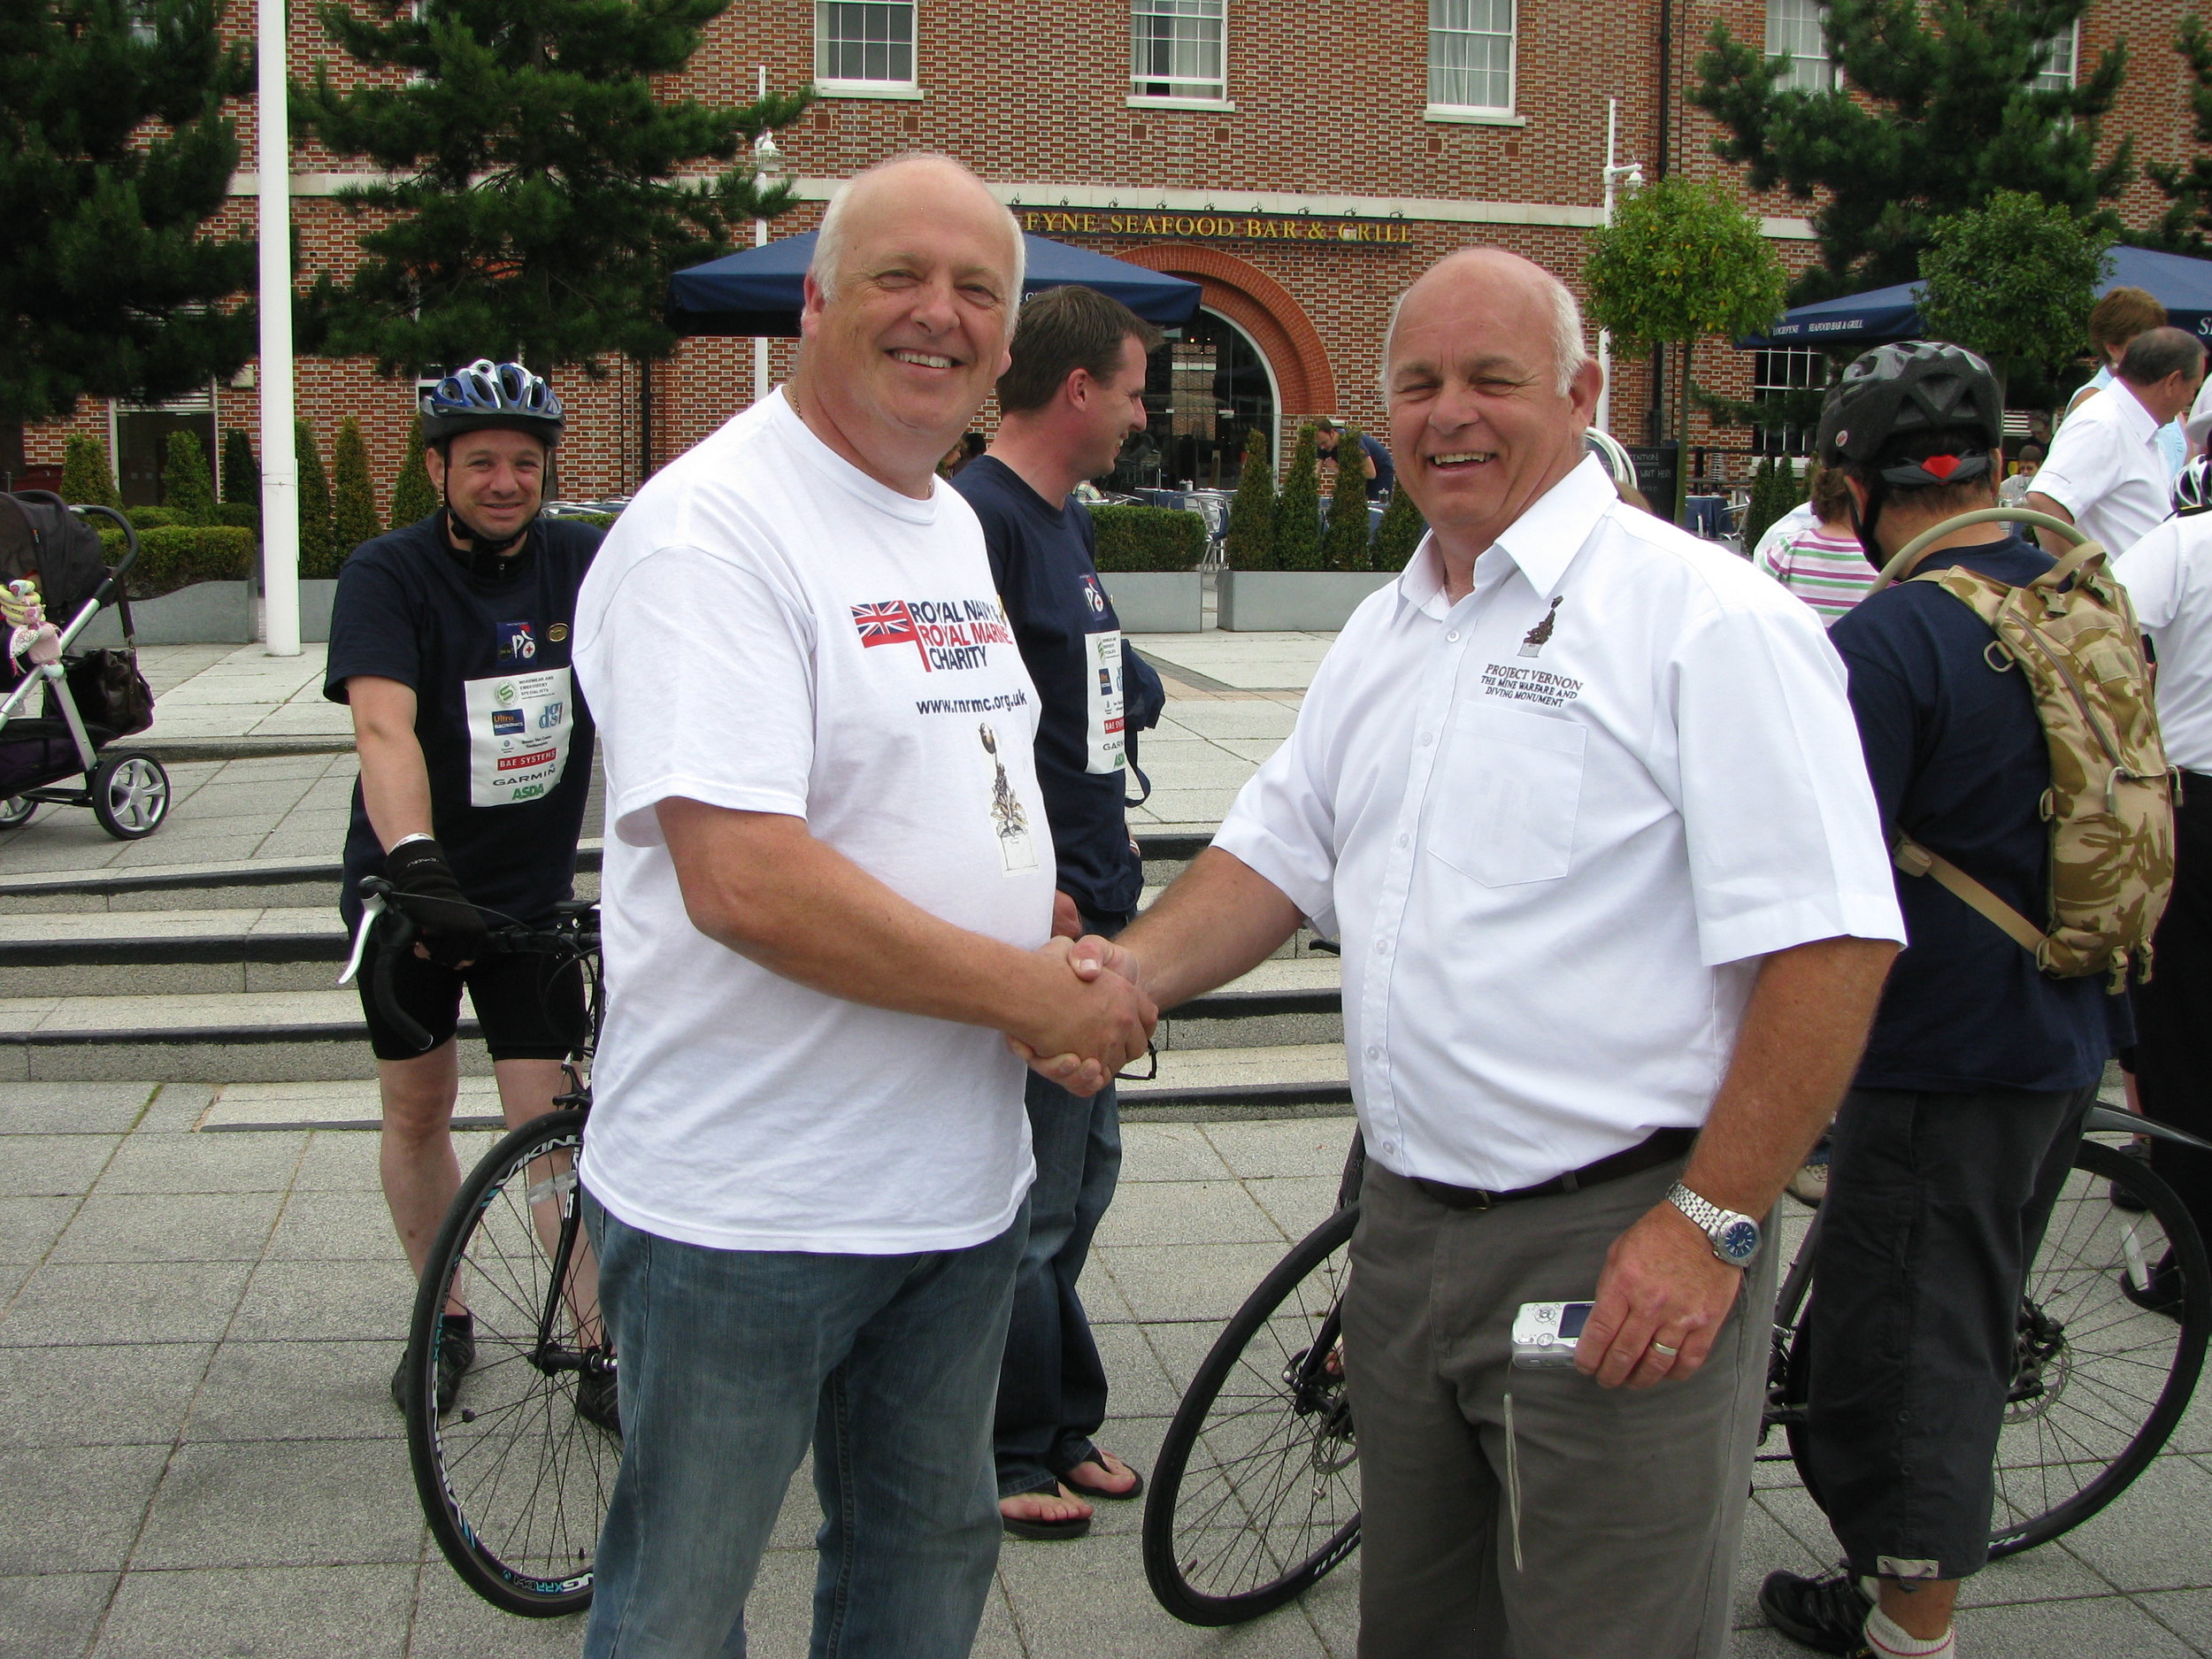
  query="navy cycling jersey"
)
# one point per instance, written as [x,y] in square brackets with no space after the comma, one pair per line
[505,735]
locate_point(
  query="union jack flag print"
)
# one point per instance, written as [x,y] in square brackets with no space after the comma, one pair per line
[889,624]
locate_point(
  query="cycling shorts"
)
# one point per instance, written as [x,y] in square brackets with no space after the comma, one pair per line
[528,1006]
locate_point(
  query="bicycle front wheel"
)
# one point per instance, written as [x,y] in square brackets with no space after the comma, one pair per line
[1255,1494]
[2098,1382]
[514,1481]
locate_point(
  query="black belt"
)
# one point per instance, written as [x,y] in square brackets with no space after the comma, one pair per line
[1663,1146]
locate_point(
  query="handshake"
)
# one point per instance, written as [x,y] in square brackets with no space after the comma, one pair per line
[1092,1018]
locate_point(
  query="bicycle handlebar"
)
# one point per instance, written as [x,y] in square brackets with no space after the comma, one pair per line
[397,932]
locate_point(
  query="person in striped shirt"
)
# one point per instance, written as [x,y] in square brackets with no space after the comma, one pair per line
[1823,564]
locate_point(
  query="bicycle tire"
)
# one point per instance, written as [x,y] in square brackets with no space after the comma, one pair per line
[2069,1448]
[513,1482]
[1214,1553]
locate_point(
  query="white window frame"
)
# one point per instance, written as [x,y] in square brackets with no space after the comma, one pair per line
[1800,369]
[846,86]
[1492,114]
[1809,71]
[2051,79]
[1189,94]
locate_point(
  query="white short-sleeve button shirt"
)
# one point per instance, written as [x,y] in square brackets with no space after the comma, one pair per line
[2105,469]
[2169,578]
[1555,824]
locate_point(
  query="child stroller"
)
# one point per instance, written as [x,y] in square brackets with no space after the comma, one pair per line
[57,723]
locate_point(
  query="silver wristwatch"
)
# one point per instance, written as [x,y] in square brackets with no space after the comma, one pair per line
[1736,1238]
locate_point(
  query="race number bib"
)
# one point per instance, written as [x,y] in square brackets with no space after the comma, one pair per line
[519,726]
[1103,752]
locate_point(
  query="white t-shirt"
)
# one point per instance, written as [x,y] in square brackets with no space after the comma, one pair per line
[2169,578]
[768,629]
[2105,469]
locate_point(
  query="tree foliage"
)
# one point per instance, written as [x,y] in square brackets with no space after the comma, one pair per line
[1344,540]
[114,154]
[241,474]
[1681,261]
[353,518]
[86,477]
[187,485]
[318,554]
[1298,508]
[1775,489]
[1401,531]
[2014,282]
[1935,112]
[1249,540]
[2188,189]
[535,208]
[414,497]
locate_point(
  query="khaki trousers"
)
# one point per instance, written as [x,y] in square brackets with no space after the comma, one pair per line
[1632,1502]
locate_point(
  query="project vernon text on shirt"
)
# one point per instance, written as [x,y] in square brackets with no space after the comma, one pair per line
[1529,685]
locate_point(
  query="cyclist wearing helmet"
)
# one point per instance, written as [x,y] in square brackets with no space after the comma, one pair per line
[1970,1092]
[449,641]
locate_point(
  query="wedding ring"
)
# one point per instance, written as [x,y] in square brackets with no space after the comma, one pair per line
[1661,1348]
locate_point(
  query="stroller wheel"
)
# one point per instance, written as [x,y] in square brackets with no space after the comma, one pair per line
[130,795]
[16,812]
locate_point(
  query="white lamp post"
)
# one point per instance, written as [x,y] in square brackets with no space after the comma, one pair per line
[767,167]
[279,466]
[1615,173]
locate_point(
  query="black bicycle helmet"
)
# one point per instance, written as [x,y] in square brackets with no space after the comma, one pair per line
[2193,486]
[491,395]
[1911,389]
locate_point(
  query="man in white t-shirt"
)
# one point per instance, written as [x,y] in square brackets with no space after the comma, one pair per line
[829,892]
[2104,473]
[1582,797]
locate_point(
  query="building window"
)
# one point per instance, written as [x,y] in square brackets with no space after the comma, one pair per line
[1177,48]
[2061,52]
[1775,375]
[1797,30]
[1470,54]
[865,45]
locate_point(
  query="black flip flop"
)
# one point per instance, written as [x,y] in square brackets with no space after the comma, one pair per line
[1083,1489]
[1044,1532]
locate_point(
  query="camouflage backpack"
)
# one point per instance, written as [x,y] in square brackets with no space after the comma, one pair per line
[2111,805]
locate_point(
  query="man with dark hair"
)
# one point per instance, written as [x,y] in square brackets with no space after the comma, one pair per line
[1374,462]
[1962,1119]
[2105,472]
[1073,393]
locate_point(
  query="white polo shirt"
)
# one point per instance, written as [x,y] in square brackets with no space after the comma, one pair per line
[1555,825]
[2169,578]
[2105,469]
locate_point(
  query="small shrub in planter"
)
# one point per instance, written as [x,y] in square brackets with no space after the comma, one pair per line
[241,474]
[597,520]
[1148,538]
[240,515]
[413,496]
[171,557]
[1298,509]
[186,481]
[1399,532]
[145,518]
[353,518]
[317,555]
[86,479]
[1249,540]
[1344,544]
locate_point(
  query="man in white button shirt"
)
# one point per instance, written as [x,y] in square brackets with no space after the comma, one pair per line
[2104,473]
[2169,578]
[1582,797]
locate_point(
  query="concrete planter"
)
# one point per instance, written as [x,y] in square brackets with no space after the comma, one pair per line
[206,613]
[1156,601]
[315,600]
[1294,602]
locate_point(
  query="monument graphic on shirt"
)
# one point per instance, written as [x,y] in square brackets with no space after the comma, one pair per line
[1533,641]
[1016,851]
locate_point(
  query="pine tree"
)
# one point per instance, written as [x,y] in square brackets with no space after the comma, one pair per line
[353,498]
[1400,532]
[535,206]
[86,477]
[1298,508]
[2189,189]
[318,555]
[1249,540]
[241,474]
[414,497]
[1934,108]
[114,154]
[187,485]
[1344,543]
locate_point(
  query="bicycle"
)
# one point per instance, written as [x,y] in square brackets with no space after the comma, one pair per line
[1255,1494]
[514,1481]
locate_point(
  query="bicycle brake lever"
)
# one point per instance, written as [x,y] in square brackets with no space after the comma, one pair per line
[370,911]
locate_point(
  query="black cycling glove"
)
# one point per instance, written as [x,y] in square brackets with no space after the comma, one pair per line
[453,930]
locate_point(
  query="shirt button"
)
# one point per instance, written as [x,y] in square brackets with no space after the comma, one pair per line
[1401,840]
[1453,636]
[1382,948]
[1373,1053]
[1427,738]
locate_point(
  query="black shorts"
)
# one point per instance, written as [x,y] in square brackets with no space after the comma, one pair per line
[530,1007]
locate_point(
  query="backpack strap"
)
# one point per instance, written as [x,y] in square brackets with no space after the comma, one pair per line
[1915,860]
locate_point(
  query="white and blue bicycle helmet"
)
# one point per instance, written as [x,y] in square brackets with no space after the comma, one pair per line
[488,394]
[2193,486]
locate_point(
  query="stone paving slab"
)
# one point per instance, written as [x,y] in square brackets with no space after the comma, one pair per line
[199,1458]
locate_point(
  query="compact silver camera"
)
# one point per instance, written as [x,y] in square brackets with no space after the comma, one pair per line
[1545,1333]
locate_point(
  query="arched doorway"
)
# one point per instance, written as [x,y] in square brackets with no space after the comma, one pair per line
[1204,391]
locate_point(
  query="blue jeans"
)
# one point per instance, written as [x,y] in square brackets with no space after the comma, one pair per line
[733,1362]
[1052,1387]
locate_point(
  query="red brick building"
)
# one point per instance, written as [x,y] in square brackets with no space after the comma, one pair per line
[1301,163]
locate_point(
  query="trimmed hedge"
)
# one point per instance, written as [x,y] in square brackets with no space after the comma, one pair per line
[1148,538]
[154,518]
[171,557]
[239,515]
[599,520]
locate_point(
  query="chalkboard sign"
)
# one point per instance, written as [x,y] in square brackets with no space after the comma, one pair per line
[1656,465]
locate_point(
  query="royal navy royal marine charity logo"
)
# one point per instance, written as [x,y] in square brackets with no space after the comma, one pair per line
[948,634]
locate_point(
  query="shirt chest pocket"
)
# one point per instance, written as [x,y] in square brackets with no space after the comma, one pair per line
[1508,786]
